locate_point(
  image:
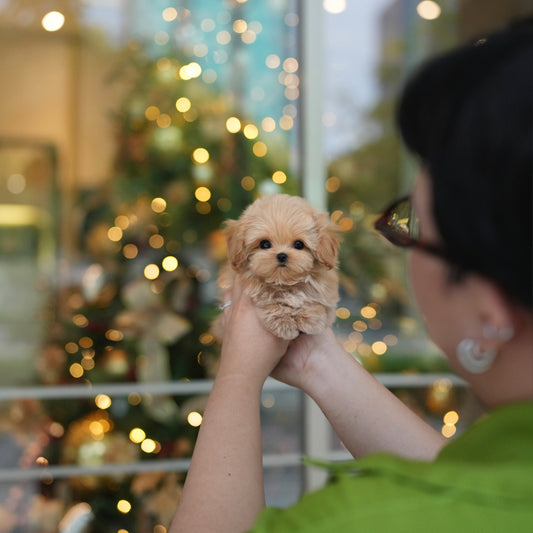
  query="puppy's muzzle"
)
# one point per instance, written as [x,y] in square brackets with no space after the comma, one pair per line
[282,258]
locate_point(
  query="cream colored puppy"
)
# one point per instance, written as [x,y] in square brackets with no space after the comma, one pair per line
[284,253]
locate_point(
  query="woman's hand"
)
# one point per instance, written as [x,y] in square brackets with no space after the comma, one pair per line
[248,349]
[223,490]
[301,365]
[366,416]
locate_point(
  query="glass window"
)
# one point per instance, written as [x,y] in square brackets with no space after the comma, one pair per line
[370,49]
[129,131]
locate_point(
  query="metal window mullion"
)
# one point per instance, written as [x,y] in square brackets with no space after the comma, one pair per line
[316,432]
[114,469]
[184,388]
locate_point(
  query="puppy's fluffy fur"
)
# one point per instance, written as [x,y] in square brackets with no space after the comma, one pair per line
[285,254]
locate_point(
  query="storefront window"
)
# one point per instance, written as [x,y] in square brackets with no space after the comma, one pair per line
[130,130]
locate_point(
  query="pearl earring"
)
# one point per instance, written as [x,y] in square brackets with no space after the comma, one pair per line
[473,358]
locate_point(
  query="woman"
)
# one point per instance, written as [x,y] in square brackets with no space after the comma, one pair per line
[469,117]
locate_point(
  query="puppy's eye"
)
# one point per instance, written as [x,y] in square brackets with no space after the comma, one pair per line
[299,245]
[265,245]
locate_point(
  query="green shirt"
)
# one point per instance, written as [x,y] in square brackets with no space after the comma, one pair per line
[482,481]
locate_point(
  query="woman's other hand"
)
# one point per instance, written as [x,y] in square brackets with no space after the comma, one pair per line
[248,349]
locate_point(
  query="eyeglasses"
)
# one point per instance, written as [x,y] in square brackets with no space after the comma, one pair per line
[399,224]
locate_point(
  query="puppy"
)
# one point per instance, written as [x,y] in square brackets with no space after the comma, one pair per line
[284,252]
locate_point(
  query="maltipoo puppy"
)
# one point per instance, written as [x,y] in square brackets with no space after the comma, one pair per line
[284,252]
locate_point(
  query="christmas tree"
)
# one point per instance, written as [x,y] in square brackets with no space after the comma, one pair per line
[150,243]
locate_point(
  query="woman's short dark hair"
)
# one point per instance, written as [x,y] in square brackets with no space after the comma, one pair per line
[469,116]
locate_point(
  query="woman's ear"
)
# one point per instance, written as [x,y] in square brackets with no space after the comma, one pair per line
[235,244]
[328,240]
[496,312]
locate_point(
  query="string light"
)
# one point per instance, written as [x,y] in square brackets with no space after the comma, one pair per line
[249,37]
[122,221]
[151,271]
[290,65]
[169,263]
[259,149]
[194,419]
[134,398]
[286,122]
[208,25]
[169,14]
[390,340]
[161,38]
[190,71]
[268,124]
[71,347]
[250,131]
[148,445]
[158,205]
[334,6]
[273,61]
[279,177]
[200,50]
[428,10]
[137,435]
[233,124]
[379,347]
[53,21]
[130,251]
[359,325]
[268,401]
[200,155]
[124,506]
[183,104]
[164,120]
[368,312]
[240,26]
[223,37]
[333,184]
[364,349]
[156,241]
[346,224]
[163,63]
[152,112]
[343,313]
[114,234]
[102,401]
[202,194]
[248,183]
[80,320]
[114,335]
[76,370]
[85,342]
[203,208]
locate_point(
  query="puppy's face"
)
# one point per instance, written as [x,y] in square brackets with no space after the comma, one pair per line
[280,239]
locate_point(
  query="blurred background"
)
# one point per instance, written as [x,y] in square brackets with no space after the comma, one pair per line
[129,131]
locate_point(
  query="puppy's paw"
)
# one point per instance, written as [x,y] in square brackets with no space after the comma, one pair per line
[312,319]
[283,327]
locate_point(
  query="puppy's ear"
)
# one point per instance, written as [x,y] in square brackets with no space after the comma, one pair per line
[328,240]
[234,232]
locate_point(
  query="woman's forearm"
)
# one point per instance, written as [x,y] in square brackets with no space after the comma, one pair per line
[224,490]
[366,416]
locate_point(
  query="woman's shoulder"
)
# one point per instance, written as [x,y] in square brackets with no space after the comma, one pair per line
[469,483]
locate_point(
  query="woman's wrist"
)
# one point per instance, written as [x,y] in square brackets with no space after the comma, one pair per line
[325,365]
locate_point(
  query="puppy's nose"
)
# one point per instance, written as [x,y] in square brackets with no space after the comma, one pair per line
[282,258]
